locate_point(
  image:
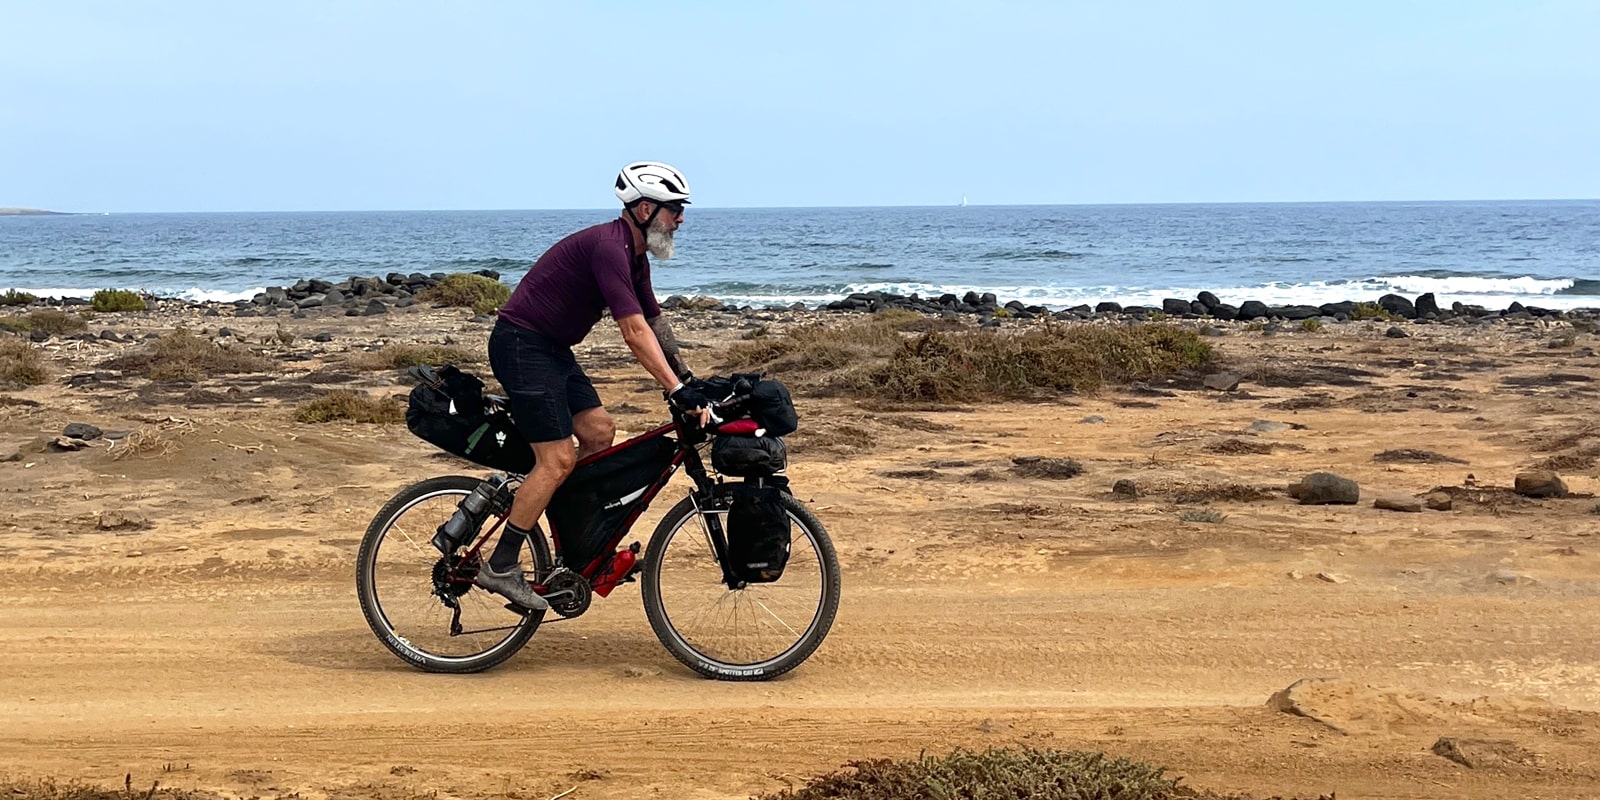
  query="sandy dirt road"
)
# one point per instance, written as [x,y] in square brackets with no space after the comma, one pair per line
[220,646]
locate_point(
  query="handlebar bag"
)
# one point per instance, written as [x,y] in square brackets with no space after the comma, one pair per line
[446,410]
[767,401]
[773,408]
[758,530]
[748,456]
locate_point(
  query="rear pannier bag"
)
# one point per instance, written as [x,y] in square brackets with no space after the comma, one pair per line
[758,530]
[447,411]
[748,456]
[594,500]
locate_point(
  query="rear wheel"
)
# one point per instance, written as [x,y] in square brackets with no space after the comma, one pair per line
[424,606]
[753,633]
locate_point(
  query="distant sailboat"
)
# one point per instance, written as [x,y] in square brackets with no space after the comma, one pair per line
[963,201]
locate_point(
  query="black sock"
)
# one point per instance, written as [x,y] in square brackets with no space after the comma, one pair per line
[506,552]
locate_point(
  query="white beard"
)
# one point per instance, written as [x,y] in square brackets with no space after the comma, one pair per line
[658,239]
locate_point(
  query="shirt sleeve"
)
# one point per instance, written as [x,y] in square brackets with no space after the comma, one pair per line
[615,278]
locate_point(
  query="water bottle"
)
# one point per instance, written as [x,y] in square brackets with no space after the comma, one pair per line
[469,515]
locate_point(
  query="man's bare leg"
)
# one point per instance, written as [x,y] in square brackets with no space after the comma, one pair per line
[595,429]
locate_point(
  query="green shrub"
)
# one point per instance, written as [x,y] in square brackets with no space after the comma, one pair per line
[1370,311]
[12,297]
[17,324]
[56,322]
[1311,325]
[347,405]
[21,364]
[464,290]
[1201,515]
[400,356]
[117,300]
[1003,773]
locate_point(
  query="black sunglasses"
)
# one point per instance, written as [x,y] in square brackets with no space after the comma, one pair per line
[675,209]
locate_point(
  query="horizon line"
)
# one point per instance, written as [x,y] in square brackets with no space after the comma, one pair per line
[48,212]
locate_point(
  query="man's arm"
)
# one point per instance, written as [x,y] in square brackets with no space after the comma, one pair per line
[642,341]
[669,344]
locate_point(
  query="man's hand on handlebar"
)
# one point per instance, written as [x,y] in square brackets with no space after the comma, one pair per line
[691,400]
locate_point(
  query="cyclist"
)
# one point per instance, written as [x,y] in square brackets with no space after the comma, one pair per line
[556,305]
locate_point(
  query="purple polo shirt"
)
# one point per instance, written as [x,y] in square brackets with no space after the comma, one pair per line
[564,293]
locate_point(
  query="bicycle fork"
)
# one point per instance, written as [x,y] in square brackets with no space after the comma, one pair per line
[711,526]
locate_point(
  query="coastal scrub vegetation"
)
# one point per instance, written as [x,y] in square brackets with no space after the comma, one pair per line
[401,356]
[117,300]
[12,297]
[183,356]
[875,358]
[1006,772]
[21,363]
[343,404]
[49,321]
[465,290]
[1371,311]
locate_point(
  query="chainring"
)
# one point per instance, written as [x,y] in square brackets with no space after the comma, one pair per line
[450,581]
[567,580]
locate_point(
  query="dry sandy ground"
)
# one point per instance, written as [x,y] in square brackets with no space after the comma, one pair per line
[216,641]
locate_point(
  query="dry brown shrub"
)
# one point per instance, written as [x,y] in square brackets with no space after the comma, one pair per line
[1003,773]
[343,404]
[1416,456]
[56,323]
[875,358]
[1582,458]
[144,443]
[1566,438]
[1191,492]
[400,356]
[985,365]
[477,292]
[49,789]
[1239,447]
[184,356]
[21,364]
[1041,467]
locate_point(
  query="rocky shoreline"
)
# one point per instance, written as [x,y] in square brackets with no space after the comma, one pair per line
[370,296]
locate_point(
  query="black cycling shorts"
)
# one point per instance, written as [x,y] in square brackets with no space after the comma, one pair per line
[543,381]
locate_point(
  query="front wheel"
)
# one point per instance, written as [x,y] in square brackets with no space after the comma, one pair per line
[754,633]
[424,606]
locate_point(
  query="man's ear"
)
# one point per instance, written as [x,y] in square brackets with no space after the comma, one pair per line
[640,213]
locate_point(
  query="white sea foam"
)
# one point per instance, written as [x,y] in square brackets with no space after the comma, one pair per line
[193,294]
[218,295]
[1491,293]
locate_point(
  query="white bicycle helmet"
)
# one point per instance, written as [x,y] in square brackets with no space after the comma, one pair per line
[651,180]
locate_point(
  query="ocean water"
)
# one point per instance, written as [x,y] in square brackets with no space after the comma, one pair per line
[1544,253]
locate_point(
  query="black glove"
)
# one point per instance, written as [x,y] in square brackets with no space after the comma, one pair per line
[688,398]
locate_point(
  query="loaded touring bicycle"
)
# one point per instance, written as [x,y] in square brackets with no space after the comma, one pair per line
[740,580]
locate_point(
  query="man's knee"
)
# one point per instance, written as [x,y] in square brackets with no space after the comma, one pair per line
[596,430]
[555,458]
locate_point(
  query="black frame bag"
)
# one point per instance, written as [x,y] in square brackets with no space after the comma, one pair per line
[447,411]
[759,531]
[589,505]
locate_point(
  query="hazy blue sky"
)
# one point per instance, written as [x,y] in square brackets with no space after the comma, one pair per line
[202,106]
